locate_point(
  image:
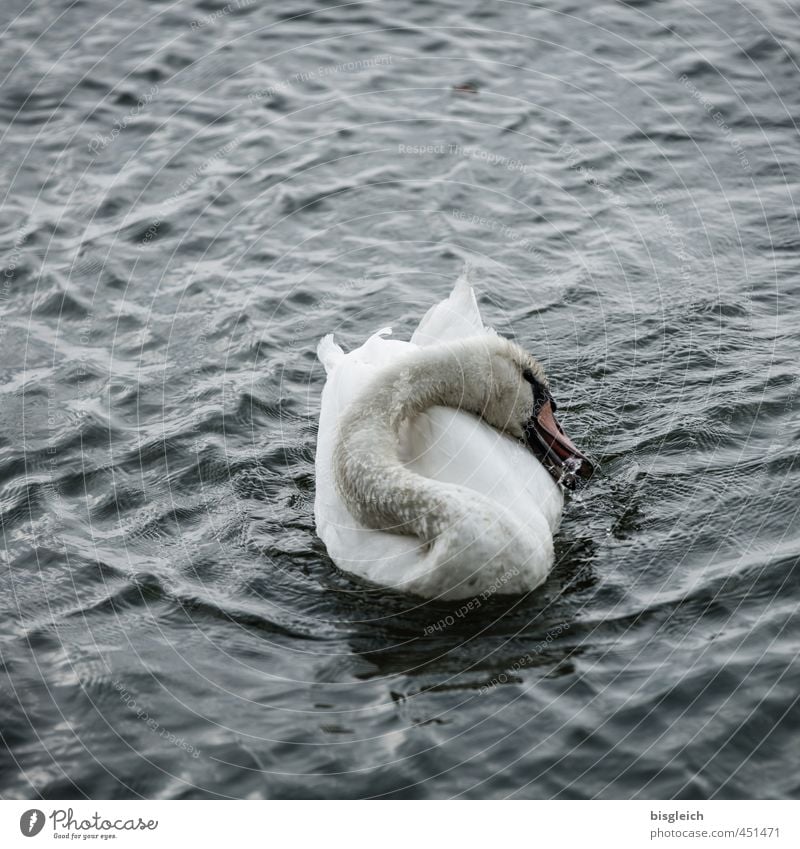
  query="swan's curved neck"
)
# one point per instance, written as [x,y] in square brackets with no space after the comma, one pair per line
[378,489]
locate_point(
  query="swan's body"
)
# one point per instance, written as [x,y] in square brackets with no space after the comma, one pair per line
[423,481]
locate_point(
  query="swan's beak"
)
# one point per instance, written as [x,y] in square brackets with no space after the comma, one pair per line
[556,451]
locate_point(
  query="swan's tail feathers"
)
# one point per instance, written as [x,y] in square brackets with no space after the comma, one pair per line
[456,317]
[329,353]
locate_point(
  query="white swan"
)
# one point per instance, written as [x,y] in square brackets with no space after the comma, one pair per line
[437,459]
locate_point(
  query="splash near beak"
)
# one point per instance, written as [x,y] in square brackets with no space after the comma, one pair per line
[556,451]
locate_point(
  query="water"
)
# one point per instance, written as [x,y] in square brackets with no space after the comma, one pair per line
[194,193]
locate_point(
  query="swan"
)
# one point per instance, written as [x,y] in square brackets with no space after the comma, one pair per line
[440,465]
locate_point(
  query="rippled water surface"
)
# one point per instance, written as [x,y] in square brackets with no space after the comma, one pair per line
[194,193]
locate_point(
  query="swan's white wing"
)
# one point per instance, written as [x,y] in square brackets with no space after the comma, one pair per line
[387,559]
[453,318]
[456,447]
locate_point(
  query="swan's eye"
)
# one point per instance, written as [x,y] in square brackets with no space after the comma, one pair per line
[541,395]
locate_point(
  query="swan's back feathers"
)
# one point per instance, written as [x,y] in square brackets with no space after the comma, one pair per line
[455,317]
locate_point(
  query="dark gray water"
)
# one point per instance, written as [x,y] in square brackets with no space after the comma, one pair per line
[194,193]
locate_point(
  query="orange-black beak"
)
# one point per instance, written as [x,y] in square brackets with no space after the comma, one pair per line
[556,451]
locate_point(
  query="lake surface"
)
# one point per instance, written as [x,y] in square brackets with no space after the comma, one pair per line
[194,193]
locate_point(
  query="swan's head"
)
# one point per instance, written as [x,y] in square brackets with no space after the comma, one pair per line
[516,399]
